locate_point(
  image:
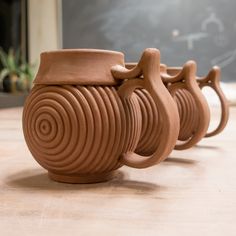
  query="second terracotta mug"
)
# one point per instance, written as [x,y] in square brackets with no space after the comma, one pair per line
[185,87]
[82,119]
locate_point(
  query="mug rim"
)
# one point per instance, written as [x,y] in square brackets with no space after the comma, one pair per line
[81,50]
[78,67]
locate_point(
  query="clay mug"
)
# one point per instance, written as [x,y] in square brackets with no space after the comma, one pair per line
[192,107]
[212,80]
[82,119]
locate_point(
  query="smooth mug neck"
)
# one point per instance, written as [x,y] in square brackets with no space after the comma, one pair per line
[78,67]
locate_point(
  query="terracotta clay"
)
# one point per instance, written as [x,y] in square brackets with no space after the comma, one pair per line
[211,80]
[184,86]
[193,108]
[82,120]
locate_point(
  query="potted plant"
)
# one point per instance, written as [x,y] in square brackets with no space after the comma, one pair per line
[16,76]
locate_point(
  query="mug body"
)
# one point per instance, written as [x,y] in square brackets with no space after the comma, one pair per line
[75,124]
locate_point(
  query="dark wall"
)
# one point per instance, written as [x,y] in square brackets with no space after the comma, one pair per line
[13,15]
[203,30]
[10,27]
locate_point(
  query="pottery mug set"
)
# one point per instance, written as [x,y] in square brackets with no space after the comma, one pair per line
[89,113]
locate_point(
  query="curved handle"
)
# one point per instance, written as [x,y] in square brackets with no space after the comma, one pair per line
[185,78]
[149,68]
[213,80]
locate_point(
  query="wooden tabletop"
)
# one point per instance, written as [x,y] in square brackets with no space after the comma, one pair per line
[192,193]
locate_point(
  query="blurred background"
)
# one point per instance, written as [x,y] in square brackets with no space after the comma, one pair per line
[204,31]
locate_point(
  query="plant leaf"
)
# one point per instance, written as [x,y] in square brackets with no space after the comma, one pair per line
[3,58]
[11,60]
[4,73]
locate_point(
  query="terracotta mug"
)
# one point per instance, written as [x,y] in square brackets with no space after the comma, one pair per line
[192,107]
[212,80]
[82,119]
[183,84]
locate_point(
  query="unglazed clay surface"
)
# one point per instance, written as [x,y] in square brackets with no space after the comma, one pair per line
[185,87]
[82,120]
[211,80]
[89,113]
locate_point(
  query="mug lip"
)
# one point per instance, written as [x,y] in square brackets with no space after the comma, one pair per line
[78,67]
[82,50]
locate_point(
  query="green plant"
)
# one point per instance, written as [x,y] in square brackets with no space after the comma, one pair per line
[10,63]
[19,72]
[26,75]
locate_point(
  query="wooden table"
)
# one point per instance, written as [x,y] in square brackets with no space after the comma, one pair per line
[192,193]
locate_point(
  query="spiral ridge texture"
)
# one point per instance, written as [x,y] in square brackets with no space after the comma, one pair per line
[80,129]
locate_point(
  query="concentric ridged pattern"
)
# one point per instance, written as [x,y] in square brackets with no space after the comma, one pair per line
[151,126]
[188,113]
[80,130]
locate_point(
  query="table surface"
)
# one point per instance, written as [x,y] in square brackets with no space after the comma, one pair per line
[192,193]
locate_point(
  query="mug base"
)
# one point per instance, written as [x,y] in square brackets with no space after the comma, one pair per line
[82,179]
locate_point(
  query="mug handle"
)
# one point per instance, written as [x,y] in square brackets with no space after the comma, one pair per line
[212,80]
[185,78]
[146,74]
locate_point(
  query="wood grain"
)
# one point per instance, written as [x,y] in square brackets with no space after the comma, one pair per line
[192,193]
